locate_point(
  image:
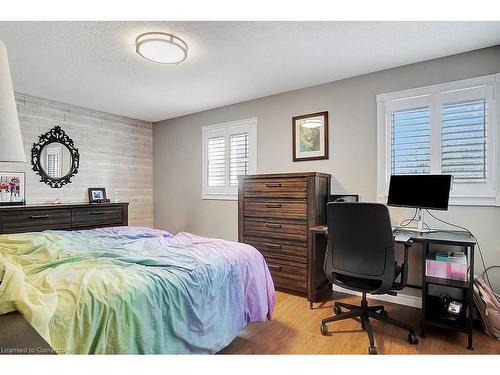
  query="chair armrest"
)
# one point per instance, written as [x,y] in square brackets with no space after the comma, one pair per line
[404,270]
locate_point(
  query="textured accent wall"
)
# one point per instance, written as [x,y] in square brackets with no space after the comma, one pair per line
[115,153]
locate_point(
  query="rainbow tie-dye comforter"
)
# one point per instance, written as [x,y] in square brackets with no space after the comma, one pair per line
[133,290]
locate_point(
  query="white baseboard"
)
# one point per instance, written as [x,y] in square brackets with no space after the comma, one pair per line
[400,299]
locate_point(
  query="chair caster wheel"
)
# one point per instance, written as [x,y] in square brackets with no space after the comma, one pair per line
[324,330]
[413,338]
[337,310]
[384,313]
[372,349]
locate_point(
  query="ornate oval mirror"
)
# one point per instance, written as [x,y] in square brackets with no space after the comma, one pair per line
[55,158]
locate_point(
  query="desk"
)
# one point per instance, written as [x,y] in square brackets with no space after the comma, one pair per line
[430,302]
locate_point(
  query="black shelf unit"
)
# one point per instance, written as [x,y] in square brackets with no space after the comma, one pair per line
[447,282]
[432,314]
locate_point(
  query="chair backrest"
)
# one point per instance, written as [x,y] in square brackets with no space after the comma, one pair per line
[360,246]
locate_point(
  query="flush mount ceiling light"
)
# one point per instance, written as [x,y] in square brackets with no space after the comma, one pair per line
[161,48]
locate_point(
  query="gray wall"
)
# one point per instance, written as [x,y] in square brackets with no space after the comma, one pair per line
[353,145]
[115,153]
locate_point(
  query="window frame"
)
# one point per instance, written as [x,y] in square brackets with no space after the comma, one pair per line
[434,97]
[227,129]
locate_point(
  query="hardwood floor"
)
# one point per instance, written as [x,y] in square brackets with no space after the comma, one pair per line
[295,330]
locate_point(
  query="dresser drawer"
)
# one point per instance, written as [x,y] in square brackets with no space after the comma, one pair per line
[276,187]
[287,274]
[276,229]
[20,221]
[97,216]
[277,208]
[278,247]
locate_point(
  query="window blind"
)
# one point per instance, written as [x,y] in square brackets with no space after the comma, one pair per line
[238,157]
[463,141]
[410,141]
[216,148]
[53,165]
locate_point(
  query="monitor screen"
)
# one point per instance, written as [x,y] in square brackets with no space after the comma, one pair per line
[420,191]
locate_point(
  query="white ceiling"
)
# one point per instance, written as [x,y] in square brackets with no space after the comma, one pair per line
[94,64]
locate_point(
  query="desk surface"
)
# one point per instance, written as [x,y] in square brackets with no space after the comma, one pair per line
[459,238]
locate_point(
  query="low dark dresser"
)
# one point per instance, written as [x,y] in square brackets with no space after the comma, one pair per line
[37,218]
[16,335]
[275,212]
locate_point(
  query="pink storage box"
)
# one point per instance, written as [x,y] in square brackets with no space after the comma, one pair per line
[446,270]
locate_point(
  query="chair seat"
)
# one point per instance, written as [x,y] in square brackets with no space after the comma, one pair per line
[361,284]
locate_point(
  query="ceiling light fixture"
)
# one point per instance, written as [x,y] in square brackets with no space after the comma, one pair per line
[161,48]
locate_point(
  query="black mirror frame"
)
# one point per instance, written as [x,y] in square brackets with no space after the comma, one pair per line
[55,135]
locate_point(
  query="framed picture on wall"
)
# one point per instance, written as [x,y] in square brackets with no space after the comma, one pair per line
[12,191]
[310,136]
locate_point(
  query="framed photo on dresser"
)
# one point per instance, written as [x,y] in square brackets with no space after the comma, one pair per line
[310,136]
[97,195]
[12,191]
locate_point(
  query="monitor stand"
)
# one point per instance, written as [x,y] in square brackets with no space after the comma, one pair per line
[420,224]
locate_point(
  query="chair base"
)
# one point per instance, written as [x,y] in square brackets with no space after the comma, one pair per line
[366,312]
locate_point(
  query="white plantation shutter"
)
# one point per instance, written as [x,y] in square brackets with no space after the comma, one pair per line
[53,165]
[410,138]
[464,141]
[54,161]
[238,158]
[216,161]
[229,151]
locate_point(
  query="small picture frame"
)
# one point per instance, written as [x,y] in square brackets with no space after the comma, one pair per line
[12,189]
[310,136]
[97,195]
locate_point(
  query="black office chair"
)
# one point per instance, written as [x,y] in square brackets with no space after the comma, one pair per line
[360,256]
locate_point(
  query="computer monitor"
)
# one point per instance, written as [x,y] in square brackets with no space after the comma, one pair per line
[420,191]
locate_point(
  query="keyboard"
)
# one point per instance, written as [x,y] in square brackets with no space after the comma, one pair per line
[401,237]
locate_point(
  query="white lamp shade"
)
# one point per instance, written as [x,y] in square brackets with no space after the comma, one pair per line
[11,142]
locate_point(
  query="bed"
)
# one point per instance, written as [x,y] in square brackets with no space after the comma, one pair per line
[134,290]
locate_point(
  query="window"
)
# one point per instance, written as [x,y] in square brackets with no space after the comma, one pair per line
[448,128]
[53,161]
[216,161]
[464,141]
[410,141]
[229,150]
[238,157]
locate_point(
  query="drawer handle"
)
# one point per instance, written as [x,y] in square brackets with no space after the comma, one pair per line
[97,213]
[273,246]
[270,225]
[273,184]
[274,267]
[39,216]
[273,205]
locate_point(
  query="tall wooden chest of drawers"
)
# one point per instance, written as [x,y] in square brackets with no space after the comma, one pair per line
[275,213]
